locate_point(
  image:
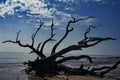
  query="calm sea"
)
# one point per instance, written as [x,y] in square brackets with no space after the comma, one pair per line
[15,58]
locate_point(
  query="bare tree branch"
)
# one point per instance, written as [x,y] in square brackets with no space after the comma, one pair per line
[74,57]
[96,40]
[110,68]
[99,68]
[74,19]
[18,35]
[88,30]
[34,34]
[81,44]
[50,38]
[39,46]
[66,50]
[25,45]
[67,32]
[49,65]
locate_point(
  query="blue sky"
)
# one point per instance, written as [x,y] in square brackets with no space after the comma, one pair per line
[23,15]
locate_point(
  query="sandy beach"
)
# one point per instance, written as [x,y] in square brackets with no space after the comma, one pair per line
[15,73]
[11,68]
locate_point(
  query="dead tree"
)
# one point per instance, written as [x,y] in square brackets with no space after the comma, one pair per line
[44,65]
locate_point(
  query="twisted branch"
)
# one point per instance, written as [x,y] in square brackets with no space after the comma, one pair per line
[84,43]
[50,38]
[34,34]
[74,57]
[67,32]
[26,45]
[88,30]
[81,44]
[110,68]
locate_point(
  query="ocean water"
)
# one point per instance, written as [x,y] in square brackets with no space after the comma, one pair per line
[9,61]
[98,60]
[15,58]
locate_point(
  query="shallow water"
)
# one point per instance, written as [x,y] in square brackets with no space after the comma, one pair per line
[12,73]
[11,64]
[13,58]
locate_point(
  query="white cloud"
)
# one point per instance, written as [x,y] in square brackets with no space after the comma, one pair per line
[69,8]
[63,14]
[33,7]
[67,1]
[20,16]
[6,9]
[79,2]
[37,8]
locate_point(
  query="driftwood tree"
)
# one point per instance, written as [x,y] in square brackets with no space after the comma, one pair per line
[44,65]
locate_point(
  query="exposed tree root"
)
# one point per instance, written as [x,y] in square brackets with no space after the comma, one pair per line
[44,65]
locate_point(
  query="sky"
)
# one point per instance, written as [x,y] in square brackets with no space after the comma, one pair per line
[24,15]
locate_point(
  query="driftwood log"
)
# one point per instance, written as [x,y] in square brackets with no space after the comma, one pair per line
[44,65]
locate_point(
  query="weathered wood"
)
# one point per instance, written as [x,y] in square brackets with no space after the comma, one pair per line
[44,65]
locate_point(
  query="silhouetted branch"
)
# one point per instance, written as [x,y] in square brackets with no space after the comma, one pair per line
[76,20]
[99,68]
[34,34]
[88,30]
[82,44]
[50,38]
[43,65]
[25,45]
[51,27]
[66,50]
[67,32]
[74,57]
[31,52]
[17,35]
[96,40]
[110,68]
[39,46]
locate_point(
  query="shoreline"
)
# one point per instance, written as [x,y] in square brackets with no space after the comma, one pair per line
[11,69]
[15,73]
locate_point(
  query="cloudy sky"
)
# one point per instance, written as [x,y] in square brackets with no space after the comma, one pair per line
[23,15]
